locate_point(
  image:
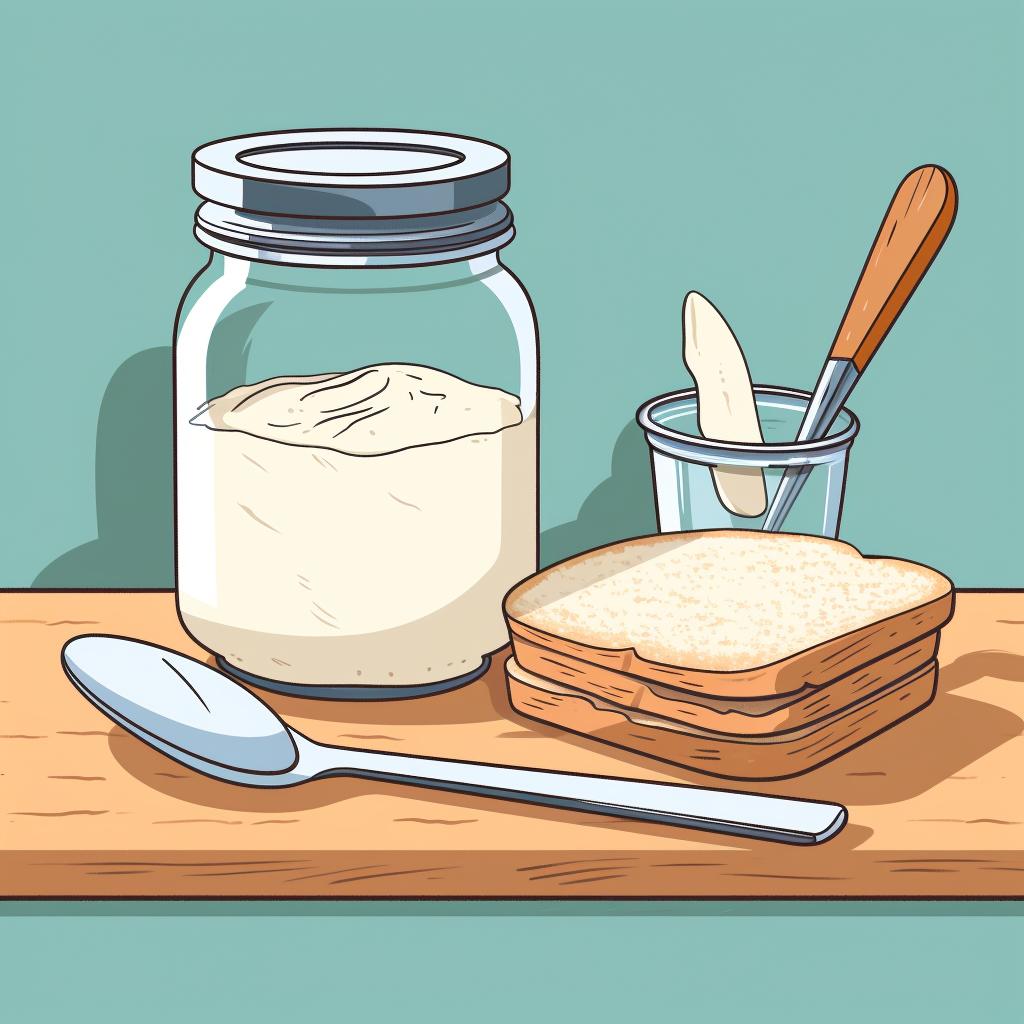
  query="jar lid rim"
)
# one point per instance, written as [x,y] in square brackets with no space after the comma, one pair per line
[351,172]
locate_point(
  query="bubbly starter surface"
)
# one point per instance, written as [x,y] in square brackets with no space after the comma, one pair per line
[364,525]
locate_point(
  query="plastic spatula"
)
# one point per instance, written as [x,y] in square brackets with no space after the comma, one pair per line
[726,410]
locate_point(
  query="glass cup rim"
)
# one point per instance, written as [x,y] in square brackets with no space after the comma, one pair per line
[829,443]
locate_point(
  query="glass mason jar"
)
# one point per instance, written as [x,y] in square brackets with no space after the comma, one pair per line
[355,413]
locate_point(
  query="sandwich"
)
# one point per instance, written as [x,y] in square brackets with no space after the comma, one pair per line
[736,653]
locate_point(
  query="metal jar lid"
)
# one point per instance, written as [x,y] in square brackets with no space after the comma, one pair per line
[352,197]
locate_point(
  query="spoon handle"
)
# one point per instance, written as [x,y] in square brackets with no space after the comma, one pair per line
[749,815]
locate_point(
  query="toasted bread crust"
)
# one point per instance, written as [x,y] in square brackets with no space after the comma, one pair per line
[814,666]
[728,757]
[754,717]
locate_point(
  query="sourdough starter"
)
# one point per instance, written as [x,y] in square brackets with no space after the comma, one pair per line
[364,525]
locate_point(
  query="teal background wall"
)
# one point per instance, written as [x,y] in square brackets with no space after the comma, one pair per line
[541,963]
[744,149]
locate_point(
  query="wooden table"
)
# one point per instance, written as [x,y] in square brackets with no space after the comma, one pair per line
[936,805]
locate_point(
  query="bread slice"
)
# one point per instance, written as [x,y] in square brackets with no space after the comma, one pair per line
[761,716]
[712,753]
[728,613]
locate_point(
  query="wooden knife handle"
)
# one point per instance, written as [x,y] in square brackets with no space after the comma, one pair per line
[915,226]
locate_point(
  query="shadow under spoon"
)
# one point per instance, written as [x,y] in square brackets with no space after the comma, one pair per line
[213,725]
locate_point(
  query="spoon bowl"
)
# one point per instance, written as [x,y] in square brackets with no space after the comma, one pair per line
[179,705]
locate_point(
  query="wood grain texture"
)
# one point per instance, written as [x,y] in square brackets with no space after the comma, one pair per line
[916,224]
[935,803]
[711,753]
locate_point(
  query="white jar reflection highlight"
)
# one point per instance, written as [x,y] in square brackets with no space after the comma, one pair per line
[356,469]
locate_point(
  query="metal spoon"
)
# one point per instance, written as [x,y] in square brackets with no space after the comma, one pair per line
[914,227]
[206,721]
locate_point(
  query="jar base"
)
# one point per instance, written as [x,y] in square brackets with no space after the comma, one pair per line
[382,692]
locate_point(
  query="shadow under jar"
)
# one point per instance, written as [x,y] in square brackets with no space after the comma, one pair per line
[355,413]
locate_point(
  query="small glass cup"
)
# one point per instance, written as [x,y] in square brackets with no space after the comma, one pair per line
[682,460]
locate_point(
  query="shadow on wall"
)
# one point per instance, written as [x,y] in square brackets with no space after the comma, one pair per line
[134,516]
[622,505]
